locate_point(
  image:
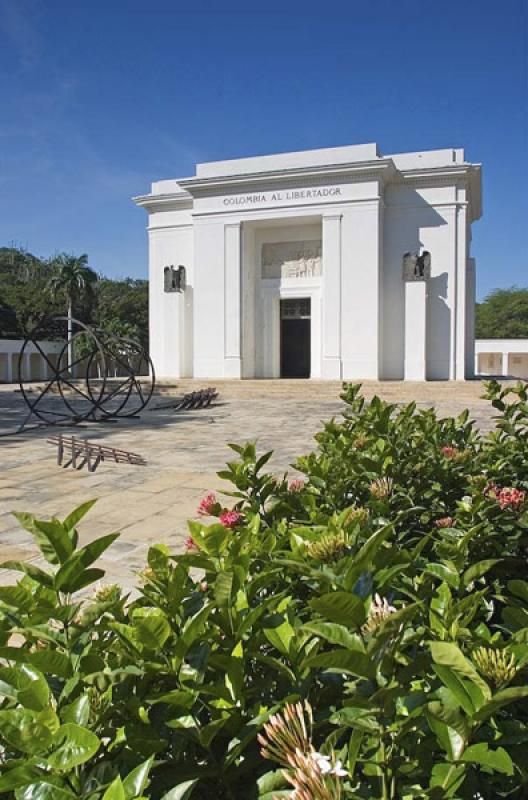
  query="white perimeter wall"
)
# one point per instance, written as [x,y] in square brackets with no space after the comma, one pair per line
[502,357]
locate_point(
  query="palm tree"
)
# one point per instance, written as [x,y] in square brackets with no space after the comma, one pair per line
[72,277]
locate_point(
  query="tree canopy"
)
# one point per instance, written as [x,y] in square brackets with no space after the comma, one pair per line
[503,314]
[118,306]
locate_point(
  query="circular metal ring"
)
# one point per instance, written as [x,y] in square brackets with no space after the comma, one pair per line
[61,373]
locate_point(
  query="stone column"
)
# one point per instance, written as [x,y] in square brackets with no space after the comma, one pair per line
[331,334]
[415,331]
[505,363]
[9,368]
[461,277]
[232,302]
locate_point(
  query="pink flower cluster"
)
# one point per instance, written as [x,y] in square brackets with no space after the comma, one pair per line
[190,544]
[510,498]
[449,452]
[207,505]
[445,522]
[296,485]
[230,519]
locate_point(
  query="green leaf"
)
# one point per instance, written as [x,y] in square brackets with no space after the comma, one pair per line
[18,776]
[77,514]
[46,789]
[235,673]
[31,571]
[78,711]
[335,634]
[33,688]
[446,654]
[519,589]
[344,608]
[73,745]
[354,748]
[464,692]
[446,572]
[210,539]
[28,731]
[51,662]
[115,791]
[478,570]
[449,728]
[52,537]
[29,686]
[516,618]
[71,571]
[181,792]
[136,781]
[16,596]
[500,699]
[222,587]
[152,629]
[46,547]
[494,760]
[281,636]
[446,777]
[355,717]
[366,553]
[354,662]
[270,784]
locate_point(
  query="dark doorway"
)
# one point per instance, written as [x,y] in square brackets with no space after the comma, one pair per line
[295,338]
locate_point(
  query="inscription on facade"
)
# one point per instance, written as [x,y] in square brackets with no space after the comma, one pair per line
[291,259]
[278,197]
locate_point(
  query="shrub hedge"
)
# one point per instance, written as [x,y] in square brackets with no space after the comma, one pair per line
[361,632]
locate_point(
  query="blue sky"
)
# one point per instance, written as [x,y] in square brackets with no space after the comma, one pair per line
[100,98]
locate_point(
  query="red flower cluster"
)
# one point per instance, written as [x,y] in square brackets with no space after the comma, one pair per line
[449,452]
[207,504]
[445,522]
[510,498]
[230,519]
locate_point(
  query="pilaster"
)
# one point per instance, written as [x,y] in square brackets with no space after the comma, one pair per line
[361,287]
[415,331]
[232,301]
[331,360]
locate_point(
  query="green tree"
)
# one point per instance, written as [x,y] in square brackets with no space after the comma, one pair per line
[503,314]
[73,278]
[122,308]
[119,307]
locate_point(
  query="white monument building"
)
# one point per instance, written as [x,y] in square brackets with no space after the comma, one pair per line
[337,264]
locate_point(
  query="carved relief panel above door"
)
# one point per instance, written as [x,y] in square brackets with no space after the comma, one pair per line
[291,259]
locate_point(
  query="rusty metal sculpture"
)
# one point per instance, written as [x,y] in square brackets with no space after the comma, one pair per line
[79,386]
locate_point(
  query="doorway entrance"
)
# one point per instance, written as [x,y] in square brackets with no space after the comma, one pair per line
[295,338]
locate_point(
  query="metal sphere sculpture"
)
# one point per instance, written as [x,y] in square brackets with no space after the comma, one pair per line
[94,376]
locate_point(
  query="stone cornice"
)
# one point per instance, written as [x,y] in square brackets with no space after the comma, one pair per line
[173,201]
[380,169]
[448,175]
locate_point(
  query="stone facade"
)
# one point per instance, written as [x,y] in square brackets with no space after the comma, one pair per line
[340,228]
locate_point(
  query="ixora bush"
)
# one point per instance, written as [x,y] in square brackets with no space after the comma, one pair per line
[358,633]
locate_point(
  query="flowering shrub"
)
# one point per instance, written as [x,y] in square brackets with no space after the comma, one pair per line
[362,635]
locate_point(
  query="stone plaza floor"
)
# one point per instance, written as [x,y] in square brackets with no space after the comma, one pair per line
[152,503]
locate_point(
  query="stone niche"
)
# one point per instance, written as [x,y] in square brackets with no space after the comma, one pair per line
[291,259]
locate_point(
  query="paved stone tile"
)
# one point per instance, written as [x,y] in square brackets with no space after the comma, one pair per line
[183,451]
